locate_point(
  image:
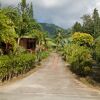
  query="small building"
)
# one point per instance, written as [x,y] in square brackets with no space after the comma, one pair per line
[28,43]
[25,42]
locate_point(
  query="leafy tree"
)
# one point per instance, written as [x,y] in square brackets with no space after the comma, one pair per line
[25,18]
[88,26]
[77,27]
[91,25]
[59,38]
[27,22]
[96,22]
[38,35]
[7,31]
[31,11]
[14,15]
[23,6]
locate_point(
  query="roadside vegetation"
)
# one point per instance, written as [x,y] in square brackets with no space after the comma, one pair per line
[17,22]
[81,47]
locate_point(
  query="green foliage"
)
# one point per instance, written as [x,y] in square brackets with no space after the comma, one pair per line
[88,25]
[36,34]
[51,43]
[14,23]
[77,27]
[83,39]
[11,66]
[14,15]
[91,24]
[97,49]
[23,22]
[7,31]
[19,50]
[51,29]
[96,22]
[27,23]
[42,55]
[41,38]
[80,59]
[31,10]
[23,4]
[60,39]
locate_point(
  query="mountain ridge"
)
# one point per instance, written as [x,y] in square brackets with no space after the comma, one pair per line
[51,28]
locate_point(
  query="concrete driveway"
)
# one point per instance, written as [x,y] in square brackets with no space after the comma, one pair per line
[53,81]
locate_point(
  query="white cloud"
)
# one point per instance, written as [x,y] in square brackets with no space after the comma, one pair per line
[97,4]
[50,3]
[10,2]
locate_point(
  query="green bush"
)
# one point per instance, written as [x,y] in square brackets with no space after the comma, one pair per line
[19,50]
[11,66]
[80,59]
[83,39]
[42,55]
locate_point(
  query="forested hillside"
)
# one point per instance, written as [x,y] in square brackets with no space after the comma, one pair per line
[52,29]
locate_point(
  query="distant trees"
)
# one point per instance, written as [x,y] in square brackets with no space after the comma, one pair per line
[88,26]
[77,27]
[59,39]
[96,22]
[91,24]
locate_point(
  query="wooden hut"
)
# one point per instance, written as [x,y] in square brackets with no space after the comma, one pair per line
[28,43]
[25,42]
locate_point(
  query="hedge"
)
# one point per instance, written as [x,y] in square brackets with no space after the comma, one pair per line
[12,66]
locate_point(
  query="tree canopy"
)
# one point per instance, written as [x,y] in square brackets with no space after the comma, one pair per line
[90,25]
[82,39]
[7,31]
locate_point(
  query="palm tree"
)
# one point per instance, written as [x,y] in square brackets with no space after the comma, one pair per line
[59,38]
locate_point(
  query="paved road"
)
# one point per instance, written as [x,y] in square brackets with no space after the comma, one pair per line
[51,82]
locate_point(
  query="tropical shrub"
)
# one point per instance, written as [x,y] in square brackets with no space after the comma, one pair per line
[83,39]
[80,59]
[19,50]
[42,55]
[11,66]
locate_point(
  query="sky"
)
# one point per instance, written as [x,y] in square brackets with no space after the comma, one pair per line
[63,13]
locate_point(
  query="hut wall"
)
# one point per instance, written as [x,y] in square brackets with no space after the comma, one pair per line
[23,43]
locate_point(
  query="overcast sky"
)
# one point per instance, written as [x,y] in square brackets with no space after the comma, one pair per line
[60,12]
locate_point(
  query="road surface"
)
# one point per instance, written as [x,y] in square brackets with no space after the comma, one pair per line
[53,81]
